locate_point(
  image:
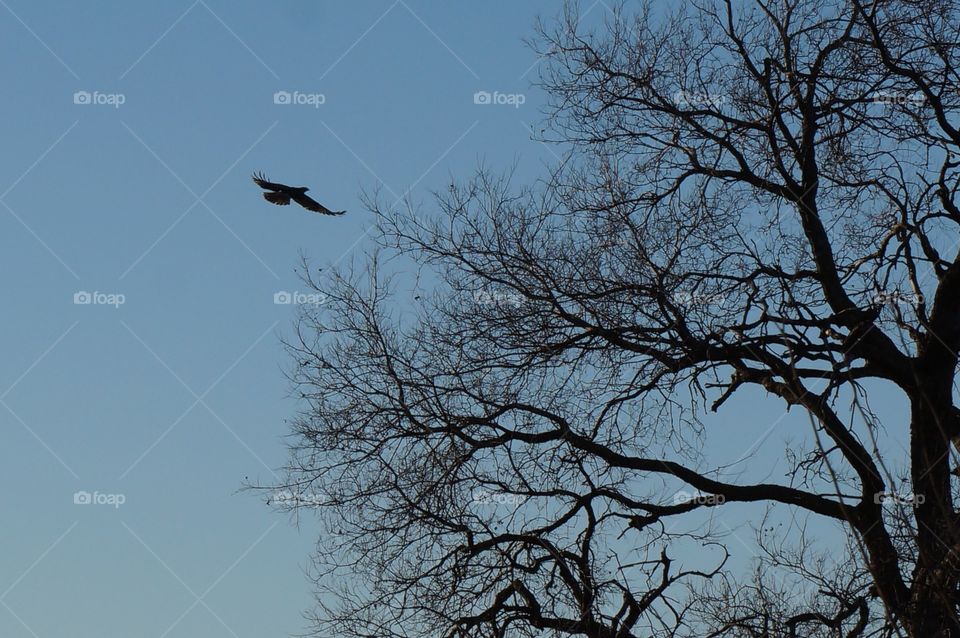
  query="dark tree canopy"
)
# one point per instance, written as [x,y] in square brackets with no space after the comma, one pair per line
[760,200]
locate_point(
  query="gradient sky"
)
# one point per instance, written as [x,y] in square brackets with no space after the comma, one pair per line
[174,397]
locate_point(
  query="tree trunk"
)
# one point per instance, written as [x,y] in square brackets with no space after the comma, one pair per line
[935,579]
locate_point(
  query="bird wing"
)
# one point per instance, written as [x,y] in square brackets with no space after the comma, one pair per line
[262,182]
[313,205]
[280,199]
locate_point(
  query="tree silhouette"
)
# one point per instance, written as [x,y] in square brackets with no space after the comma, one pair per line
[760,202]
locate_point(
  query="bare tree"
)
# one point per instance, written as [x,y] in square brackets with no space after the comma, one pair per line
[760,201]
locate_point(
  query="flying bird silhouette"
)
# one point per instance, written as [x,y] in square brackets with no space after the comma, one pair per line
[281,194]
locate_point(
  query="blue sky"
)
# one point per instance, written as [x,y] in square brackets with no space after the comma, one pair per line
[175,396]
[130,131]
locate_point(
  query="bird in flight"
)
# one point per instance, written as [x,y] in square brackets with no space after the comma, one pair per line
[281,194]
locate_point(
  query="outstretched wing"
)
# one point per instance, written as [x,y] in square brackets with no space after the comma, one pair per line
[312,204]
[280,199]
[262,182]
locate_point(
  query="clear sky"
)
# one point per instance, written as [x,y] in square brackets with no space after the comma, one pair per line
[175,396]
[130,131]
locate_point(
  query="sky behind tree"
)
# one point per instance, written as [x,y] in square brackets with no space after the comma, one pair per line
[151,284]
